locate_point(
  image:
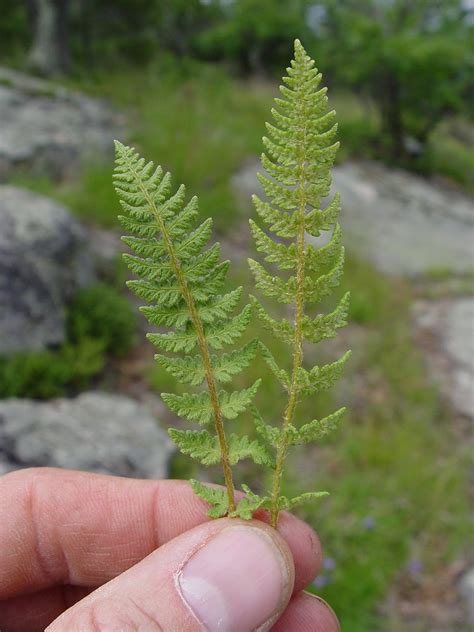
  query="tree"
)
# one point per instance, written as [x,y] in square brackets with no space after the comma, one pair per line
[256,35]
[49,53]
[412,57]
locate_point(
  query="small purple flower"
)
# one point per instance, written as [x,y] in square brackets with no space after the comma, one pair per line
[415,567]
[329,563]
[321,581]
[369,523]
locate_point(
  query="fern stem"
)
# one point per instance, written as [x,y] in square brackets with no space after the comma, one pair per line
[203,346]
[297,348]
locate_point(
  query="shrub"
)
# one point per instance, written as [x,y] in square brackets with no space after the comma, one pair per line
[99,312]
[100,322]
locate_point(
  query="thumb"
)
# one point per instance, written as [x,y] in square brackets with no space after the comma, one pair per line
[227,575]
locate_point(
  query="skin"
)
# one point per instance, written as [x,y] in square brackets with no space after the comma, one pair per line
[75,546]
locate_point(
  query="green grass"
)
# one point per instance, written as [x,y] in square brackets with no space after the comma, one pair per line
[199,124]
[397,463]
[452,157]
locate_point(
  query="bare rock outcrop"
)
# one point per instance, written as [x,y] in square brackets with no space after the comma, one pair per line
[95,432]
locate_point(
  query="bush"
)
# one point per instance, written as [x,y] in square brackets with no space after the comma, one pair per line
[100,313]
[47,374]
[416,66]
[100,323]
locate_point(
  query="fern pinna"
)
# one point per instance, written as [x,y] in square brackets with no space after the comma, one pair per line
[182,281]
[301,149]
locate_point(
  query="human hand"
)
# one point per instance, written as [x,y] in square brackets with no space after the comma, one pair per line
[87,553]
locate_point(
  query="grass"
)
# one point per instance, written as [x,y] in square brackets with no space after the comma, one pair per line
[201,126]
[452,156]
[397,477]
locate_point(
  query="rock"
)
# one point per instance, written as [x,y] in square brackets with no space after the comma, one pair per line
[43,260]
[446,329]
[97,432]
[402,223]
[50,130]
[466,590]
[106,249]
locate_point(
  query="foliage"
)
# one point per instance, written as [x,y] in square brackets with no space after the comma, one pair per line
[99,312]
[99,323]
[48,374]
[183,283]
[450,153]
[14,29]
[254,34]
[412,60]
[301,150]
[416,64]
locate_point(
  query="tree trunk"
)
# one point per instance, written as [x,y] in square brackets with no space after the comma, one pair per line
[49,54]
[62,34]
[392,117]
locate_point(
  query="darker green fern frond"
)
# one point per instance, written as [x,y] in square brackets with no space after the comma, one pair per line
[183,284]
[300,150]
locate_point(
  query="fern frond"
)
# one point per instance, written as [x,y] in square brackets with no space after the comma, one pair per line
[190,369]
[182,282]
[269,434]
[285,504]
[251,502]
[198,444]
[315,429]
[281,375]
[178,315]
[213,496]
[204,447]
[326,325]
[282,329]
[300,150]
[283,256]
[272,286]
[321,378]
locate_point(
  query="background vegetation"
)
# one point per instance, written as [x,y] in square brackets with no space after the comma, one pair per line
[196,79]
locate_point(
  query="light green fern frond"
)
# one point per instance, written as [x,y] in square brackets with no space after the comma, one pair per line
[183,284]
[300,150]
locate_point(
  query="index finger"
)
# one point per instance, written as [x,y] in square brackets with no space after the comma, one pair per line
[65,527]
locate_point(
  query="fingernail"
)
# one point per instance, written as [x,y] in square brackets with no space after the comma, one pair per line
[329,608]
[236,581]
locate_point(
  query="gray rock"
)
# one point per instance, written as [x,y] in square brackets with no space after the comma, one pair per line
[446,328]
[96,432]
[43,260]
[50,130]
[106,249]
[402,223]
[466,590]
